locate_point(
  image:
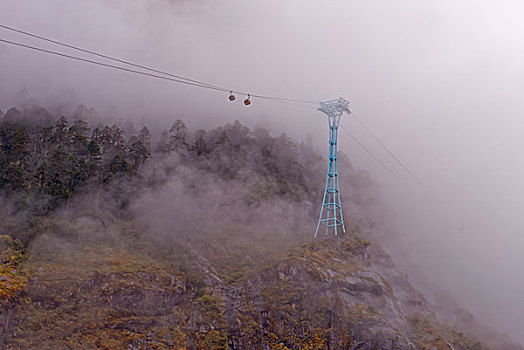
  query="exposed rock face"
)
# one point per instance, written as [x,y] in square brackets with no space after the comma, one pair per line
[330,290]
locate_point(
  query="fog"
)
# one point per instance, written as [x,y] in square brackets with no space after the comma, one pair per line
[439,82]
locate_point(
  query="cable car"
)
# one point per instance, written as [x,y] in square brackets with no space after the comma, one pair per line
[231,96]
[247,101]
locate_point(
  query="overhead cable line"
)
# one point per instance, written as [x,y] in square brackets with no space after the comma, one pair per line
[107,65]
[178,77]
[388,150]
[107,57]
[368,151]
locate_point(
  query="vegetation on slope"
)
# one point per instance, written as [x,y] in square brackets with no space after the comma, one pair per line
[126,292]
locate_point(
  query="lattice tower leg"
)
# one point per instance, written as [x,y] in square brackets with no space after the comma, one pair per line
[331,211]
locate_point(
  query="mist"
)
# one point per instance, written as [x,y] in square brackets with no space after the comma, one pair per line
[439,83]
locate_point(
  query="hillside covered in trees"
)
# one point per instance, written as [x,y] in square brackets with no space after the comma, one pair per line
[118,238]
[51,160]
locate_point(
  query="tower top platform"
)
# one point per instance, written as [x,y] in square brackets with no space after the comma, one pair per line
[335,107]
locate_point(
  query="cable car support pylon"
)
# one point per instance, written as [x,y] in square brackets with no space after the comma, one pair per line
[331,211]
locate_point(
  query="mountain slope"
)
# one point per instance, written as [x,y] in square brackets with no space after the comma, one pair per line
[201,242]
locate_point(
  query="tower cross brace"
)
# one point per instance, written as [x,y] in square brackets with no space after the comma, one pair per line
[331,211]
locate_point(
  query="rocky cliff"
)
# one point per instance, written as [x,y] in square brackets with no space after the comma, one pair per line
[81,291]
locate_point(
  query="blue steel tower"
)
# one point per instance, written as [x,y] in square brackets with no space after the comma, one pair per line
[331,211]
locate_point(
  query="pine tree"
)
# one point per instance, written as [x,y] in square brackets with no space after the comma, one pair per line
[14,156]
[78,137]
[178,136]
[138,152]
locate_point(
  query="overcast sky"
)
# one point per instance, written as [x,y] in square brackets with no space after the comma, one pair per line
[440,82]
